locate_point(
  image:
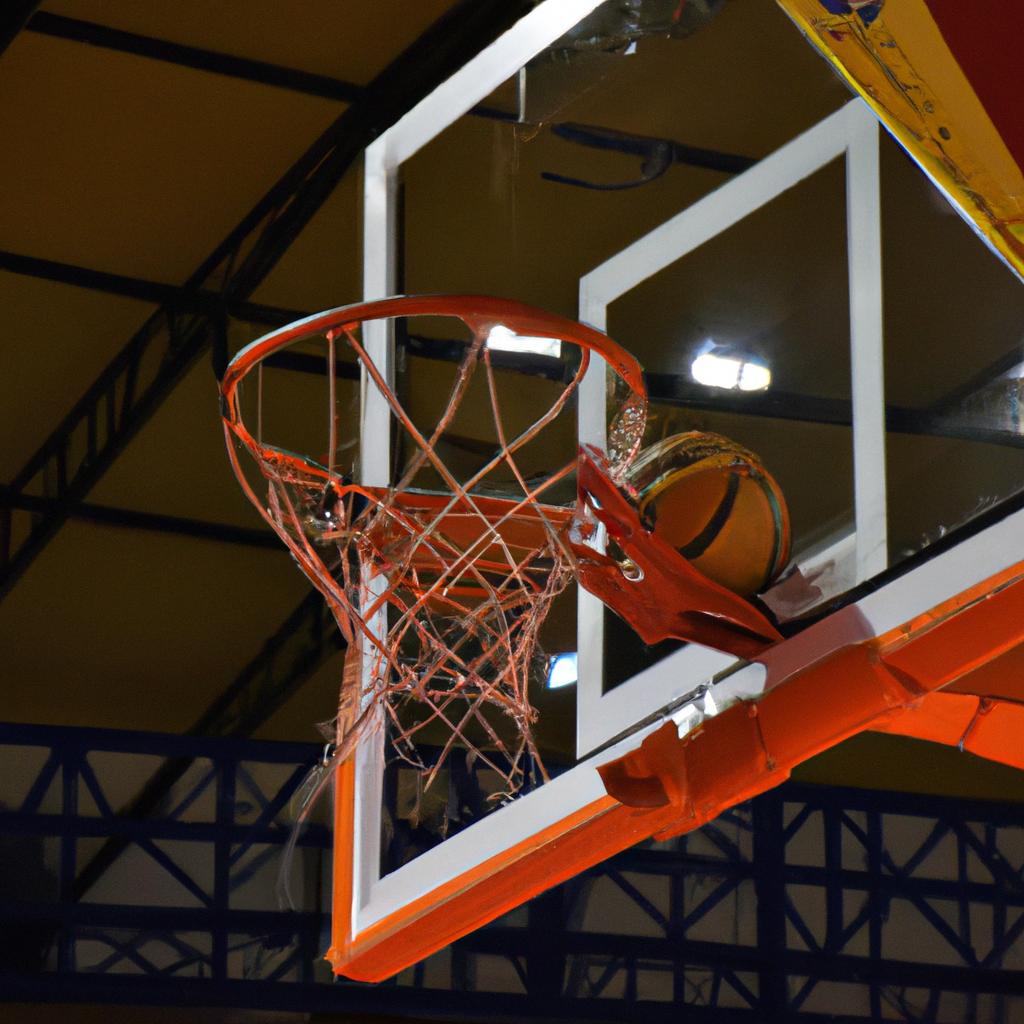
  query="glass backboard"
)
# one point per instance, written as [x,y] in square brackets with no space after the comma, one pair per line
[702,189]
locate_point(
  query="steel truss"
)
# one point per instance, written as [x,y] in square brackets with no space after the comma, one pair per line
[181,868]
[807,904]
[842,904]
[137,381]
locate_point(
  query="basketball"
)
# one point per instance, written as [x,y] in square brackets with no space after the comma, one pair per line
[717,505]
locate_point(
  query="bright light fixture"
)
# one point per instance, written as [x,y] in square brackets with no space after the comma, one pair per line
[502,339]
[716,371]
[562,670]
[721,371]
[754,377]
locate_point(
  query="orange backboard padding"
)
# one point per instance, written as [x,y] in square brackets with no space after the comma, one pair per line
[985,726]
[996,733]
[670,785]
[344,864]
[939,718]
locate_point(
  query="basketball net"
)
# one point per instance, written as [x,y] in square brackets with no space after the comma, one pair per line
[439,593]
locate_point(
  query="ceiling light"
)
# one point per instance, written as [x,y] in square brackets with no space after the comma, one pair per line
[562,670]
[715,369]
[754,377]
[502,339]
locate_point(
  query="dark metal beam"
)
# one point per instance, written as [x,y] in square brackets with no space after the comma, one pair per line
[184,300]
[327,87]
[347,1003]
[505,940]
[668,389]
[130,519]
[678,390]
[672,389]
[15,17]
[135,384]
[306,362]
[658,155]
[949,404]
[218,63]
[213,61]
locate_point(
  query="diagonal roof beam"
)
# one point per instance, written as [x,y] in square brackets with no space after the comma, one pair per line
[138,380]
[15,17]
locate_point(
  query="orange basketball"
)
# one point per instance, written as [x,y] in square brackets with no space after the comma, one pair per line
[717,505]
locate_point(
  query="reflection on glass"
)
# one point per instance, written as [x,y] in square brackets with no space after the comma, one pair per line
[954,326]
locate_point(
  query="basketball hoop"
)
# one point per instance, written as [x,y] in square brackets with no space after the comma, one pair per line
[439,591]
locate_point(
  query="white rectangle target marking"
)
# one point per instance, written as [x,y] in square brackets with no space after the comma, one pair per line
[851,131]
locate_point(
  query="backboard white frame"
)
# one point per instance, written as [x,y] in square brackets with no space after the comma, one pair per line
[374,897]
[851,132]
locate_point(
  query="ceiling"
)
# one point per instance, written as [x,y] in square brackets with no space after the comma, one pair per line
[135,160]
